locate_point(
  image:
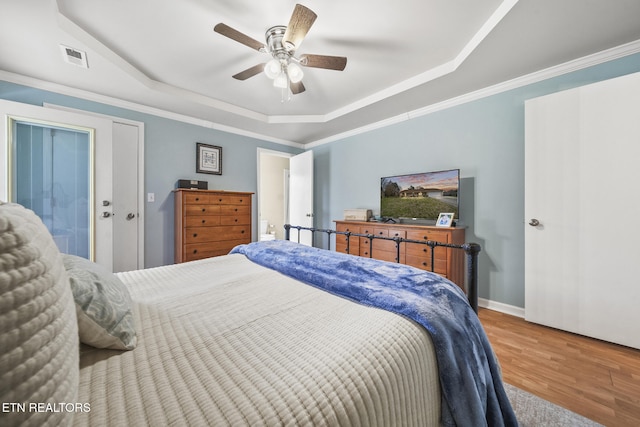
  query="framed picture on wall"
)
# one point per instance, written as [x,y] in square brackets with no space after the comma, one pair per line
[444,220]
[208,159]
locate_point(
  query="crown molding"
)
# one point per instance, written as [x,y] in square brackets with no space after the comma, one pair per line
[538,76]
[116,102]
[555,71]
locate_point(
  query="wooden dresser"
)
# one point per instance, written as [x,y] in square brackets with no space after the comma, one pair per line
[448,262]
[210,223]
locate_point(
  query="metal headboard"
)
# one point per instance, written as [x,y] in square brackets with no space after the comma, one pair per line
[471,251]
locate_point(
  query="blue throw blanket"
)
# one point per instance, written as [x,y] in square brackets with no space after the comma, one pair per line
[470,379]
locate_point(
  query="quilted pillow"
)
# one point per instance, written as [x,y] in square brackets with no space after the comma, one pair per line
[38,327]
[103,305]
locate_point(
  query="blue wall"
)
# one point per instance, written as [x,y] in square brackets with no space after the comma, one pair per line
[169,155]
[485,140]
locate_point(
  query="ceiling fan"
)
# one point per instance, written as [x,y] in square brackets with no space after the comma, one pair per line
[282,43]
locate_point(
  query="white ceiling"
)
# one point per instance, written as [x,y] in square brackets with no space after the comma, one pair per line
[402,55]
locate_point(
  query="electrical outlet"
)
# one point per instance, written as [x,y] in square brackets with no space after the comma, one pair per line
[151,197]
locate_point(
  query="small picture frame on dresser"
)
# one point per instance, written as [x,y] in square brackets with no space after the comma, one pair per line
[444,220]
[208,159]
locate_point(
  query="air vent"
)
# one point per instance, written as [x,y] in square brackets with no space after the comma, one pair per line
[74,56]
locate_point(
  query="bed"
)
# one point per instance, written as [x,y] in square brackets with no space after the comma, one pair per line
[272,334]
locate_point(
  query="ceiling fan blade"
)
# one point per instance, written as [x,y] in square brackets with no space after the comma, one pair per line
[249,72]
[296,88]
[323,61]
[236,35]
[301,20]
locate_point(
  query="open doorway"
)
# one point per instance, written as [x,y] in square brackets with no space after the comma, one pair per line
[273,193]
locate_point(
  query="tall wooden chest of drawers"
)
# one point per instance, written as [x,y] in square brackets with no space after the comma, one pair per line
[210,223]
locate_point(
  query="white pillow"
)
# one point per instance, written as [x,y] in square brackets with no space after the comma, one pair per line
[103,305]
[38,326]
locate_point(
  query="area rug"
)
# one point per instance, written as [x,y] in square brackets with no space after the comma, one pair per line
[533,411]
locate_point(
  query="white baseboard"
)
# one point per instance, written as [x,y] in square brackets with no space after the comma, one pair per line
[501,307]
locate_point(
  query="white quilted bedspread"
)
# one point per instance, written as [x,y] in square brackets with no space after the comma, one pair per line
[224,341]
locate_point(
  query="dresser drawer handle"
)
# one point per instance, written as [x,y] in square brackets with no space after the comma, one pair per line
[240,200]
[424,250]
[236,220]
[425,264]
[195,251]
[195,234]
[204,209]
[380,233]
[197,199]
[242,232]
[235,210]
[204,220]
[219,200]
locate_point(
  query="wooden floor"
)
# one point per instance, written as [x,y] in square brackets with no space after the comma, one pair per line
[598,380]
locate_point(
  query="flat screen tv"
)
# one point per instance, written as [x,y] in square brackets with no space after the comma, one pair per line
[420,196]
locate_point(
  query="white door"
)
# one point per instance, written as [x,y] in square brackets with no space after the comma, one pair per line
[301,196]
[552,210]
[128,190]
[126,215]
[581,175]
[57,205]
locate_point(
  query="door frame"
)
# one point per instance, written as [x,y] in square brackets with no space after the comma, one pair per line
[259,190]
[141,198]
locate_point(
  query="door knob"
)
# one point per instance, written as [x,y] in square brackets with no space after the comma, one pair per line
[106,214]
[130,216]
[534,222]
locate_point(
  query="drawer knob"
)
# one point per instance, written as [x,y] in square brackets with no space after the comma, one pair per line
[236,209]
[242,232]
[424,250]
[204,220]
[197,199]
[219,200]
[195,251]
[424,263]
[240,200]
[236,220]
[195,234]
[204,209]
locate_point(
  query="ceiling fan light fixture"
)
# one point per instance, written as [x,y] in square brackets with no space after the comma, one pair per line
[273,68]
[281,44]
[295,72]
[281,81]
